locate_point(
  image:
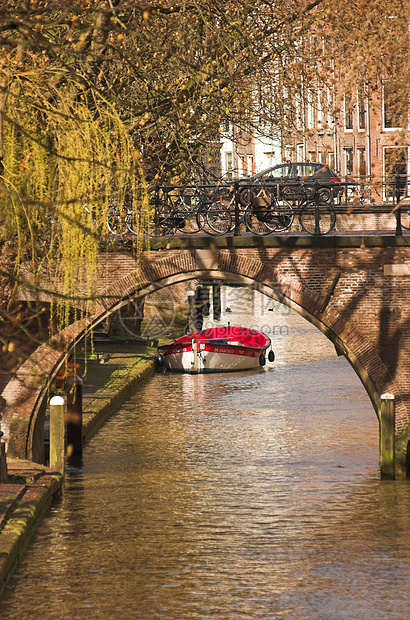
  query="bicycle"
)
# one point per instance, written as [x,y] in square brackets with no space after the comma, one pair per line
[188,212]
[267,213]
[212,216]
[363,194]
[168,216]
[175,213]
[316,217]
[118,219]
[262,214]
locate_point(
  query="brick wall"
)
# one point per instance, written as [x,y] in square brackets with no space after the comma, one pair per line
[367,318]
[366,298]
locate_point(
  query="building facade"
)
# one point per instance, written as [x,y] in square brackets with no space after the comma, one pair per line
[243,154]
[363,137]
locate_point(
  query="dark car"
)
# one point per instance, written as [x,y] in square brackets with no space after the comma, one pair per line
[290,178]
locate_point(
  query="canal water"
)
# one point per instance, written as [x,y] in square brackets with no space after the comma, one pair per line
[228,497]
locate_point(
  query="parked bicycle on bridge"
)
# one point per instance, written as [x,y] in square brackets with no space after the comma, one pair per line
[174,210]
[316,216]
[223,210]
[263,212]
[268,212]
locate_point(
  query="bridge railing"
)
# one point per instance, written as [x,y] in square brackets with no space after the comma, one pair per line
[362,202]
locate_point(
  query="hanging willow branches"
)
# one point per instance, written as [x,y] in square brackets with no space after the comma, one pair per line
[100,99]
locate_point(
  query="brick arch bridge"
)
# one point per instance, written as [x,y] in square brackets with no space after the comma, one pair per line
[355,290]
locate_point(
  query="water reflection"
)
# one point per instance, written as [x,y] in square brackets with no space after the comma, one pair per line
[250,495]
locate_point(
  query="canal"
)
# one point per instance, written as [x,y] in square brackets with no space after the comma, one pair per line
[227,497]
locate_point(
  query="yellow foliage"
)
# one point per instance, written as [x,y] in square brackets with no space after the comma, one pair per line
[56,195]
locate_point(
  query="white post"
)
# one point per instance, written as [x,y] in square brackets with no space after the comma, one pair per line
[387,436]
[57,433]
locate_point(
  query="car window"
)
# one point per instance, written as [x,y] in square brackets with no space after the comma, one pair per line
[281,172]
[323,171]
[264,174]
[305,170]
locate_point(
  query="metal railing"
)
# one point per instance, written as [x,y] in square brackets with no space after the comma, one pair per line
[225,208]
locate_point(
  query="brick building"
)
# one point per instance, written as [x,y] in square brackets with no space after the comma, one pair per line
[361,137]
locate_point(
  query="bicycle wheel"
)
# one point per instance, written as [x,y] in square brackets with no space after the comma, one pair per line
[317,219]
[138,225]
[187,209]
[245,195]
[404,205]
[281,217]
[115,221]
[218,218]
[255,223]
[324,194]
[290,193]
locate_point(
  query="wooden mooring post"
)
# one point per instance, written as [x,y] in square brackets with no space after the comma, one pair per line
[74,421]
[387,436]
[57,433]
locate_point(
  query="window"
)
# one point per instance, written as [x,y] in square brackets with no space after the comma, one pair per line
[227,127]
[303,171]
[395,163]
[329,108]
[319,108]
[348,113]
[298,112]
[282,171]
[228,165]
[361,110]
[331,159]
[250,164]
[270,156]
[242,165]
[392,106]
[300,152]
[310,110]
[348,161]
[312,156]
[361,161]
[288,151]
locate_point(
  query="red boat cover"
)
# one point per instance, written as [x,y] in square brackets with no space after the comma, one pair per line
[246,337]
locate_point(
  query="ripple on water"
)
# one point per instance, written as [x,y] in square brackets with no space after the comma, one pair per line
[228,496]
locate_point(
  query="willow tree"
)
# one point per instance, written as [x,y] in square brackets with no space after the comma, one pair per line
[97,98]
[66,157]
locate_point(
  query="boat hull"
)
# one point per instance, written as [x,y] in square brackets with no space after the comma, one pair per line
[202,353]
[210,361]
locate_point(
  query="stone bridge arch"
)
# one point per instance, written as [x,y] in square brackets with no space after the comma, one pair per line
[25,395]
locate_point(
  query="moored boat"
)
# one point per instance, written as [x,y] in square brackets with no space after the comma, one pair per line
[217,349]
